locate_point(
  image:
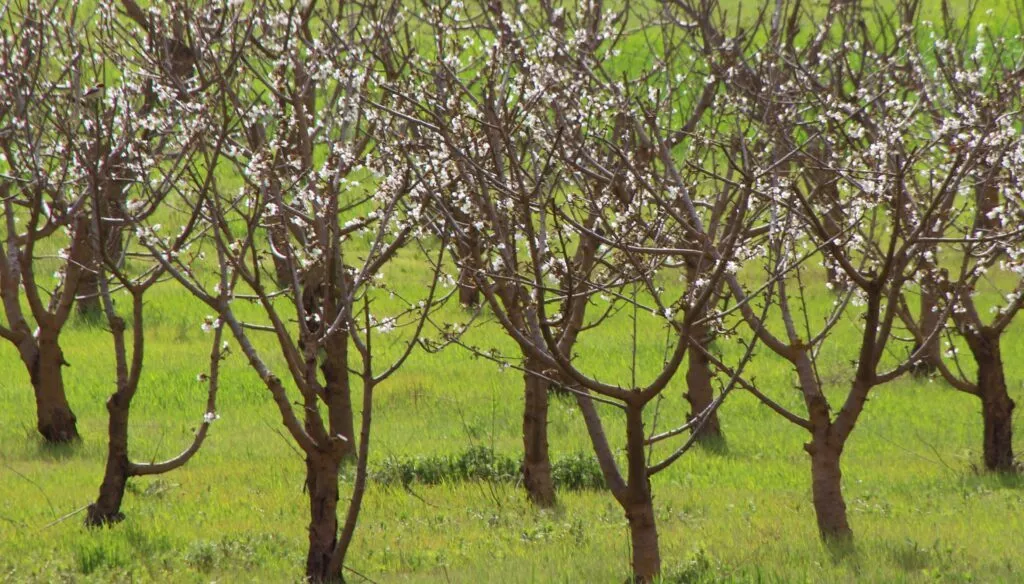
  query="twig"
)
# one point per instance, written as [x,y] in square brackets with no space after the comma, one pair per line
[34,484]
[65,517]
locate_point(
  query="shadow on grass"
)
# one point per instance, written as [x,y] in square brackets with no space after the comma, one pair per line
[58,452]
[716,445]
[981,479]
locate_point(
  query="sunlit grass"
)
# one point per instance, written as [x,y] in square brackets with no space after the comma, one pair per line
[237,512]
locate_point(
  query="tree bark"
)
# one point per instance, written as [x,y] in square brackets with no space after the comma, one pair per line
[322,484]
[928,322]
[834,222]
[986,197]
[339,395]
[827,491]
[996,404]
[536,461]
[638,502]
[699,392]
[643,534]
[469,259]
[107,508]
[87,299]
[55,420]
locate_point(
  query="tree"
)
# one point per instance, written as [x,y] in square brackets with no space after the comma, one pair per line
[161,64]
[305,128]
[553,162]
[870,138]
[165,143]
[973,93]
[49,86]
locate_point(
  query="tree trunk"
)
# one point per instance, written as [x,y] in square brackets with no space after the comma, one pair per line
[339,395]
[639,502]
[107,508]
[928,322]
[469,294]
[322,484]
[986,198]
[834,222]
[469,258]
[699,392]
[87,295]
[827,491]
[282,267]
[536,462]
[55,420]
[643,534]
[996,405]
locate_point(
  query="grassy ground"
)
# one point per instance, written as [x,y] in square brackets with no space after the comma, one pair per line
[237,512]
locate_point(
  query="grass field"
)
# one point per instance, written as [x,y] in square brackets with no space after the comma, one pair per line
[237,512]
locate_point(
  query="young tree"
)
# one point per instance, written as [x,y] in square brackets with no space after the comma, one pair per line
[138,159]
[48,87]
[304,133]
[973,93]
[872,139]
[161,63]
[554,165]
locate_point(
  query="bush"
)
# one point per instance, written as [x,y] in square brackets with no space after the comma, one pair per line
[480,463]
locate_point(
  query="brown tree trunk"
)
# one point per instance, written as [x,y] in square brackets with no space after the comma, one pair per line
[469,258]
[469,294]
[54,418]
[107,508]
[643,535]
[699,392]
[339,395]
[827,491]
[928,322]
[996,405]
[536,462]
[639,502]
[322,484]
[282,268]
[986,197]
[87,294]
[834,222]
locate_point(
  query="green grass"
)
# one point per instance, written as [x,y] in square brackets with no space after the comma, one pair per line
[237,511]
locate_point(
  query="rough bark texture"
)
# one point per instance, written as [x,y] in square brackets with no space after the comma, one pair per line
[55,420]
[339,395]
[996,405]
[87,303]
[643,533]
[638,502]
[928,322]
[699,392]
[536,462]
[322,485]
[107,508]
[827,491]
[469,258]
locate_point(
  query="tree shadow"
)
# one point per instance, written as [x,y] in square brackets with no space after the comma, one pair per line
[713,444]
[58,452]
